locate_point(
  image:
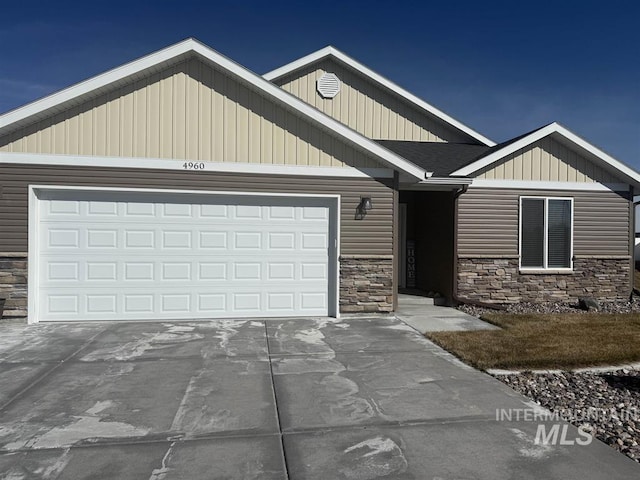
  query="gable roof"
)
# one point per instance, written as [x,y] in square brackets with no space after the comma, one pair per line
[438,158]
[331,52]
[560,133]
[159,60]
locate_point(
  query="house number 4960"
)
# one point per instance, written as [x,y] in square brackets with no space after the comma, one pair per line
[193,165]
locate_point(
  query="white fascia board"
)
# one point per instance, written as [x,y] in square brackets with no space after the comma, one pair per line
[250,78]
[503,152]
[446,181]
[94,83]
[547,185]
[438,183]
[599,154]
[377,78]
[299,63]
[171,164]
[557,130]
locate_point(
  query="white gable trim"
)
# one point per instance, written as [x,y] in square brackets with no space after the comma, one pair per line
[196,165]
[379,79]
[555,130]
[40,108]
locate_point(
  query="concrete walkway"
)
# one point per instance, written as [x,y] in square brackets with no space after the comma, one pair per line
[424,316]
[304,399]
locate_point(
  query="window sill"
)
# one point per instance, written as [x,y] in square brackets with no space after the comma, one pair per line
[546,271]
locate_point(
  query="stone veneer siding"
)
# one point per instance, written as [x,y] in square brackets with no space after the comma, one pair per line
[366,283]
[499,280]
[13,284]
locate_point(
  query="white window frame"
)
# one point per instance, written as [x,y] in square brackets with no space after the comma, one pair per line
[545,268]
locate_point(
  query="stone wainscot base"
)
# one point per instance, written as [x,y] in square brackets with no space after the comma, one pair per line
[499,280]
[366,283]
[13,284]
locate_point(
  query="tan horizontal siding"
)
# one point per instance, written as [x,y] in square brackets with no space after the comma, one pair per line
[373,235]
[190,111]
[367,108]
[548,160]
[488,222]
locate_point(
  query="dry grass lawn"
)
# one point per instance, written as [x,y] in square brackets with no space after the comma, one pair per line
[554,341]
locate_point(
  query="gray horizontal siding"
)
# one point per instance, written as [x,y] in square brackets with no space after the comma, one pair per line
[488,222]
[371,236]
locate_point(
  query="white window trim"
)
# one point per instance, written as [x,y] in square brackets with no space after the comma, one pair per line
[545,268]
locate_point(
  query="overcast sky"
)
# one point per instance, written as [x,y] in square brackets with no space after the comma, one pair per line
[501,67]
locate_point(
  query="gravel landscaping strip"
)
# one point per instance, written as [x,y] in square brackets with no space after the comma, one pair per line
[607,405]
[559,307]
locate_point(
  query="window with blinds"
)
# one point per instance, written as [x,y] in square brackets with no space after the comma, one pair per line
[546,231]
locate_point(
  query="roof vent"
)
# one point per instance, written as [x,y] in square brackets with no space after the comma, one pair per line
[328,85]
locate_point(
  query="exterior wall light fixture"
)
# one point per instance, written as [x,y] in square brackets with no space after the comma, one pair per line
[363,207]
[365,204]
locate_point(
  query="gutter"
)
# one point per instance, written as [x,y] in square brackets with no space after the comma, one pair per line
[438,183]
[446,181]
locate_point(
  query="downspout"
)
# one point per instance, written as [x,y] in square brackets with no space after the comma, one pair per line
[454,290]
[457,300]
[396,243]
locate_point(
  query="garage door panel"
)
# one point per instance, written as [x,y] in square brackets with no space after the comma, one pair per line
[63,208]
[98,236]
[140,259]
[176,303]
[101,304]
[102,272]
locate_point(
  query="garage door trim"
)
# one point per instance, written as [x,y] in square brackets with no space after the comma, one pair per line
[36,191]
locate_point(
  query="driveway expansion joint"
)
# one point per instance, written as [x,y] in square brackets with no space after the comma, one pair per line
[275,401]
[470,419]
[57,365]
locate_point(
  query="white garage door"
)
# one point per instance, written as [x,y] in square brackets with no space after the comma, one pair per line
[132,255]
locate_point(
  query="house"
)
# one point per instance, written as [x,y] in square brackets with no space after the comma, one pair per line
[182,185]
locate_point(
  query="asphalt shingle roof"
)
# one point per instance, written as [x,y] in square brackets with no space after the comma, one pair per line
[444,158]
[438,157]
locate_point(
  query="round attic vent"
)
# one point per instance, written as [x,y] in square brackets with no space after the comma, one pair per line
[328,85]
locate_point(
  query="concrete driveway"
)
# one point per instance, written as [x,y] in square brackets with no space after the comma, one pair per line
[305,399]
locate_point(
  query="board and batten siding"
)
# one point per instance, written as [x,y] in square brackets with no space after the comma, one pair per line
[369,109]
[372,235]
[488,222]
[188,111]
[548,160]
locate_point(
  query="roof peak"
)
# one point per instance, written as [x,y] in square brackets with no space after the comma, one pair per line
[158,60]
[553,130]
[381,81]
